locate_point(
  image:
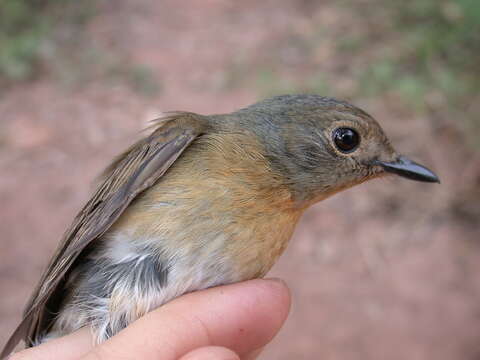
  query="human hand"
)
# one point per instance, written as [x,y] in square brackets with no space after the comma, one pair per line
[223,323]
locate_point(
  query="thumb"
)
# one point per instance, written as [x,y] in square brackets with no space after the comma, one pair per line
[242,317]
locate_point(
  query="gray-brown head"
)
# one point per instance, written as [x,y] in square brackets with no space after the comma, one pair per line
[322,145]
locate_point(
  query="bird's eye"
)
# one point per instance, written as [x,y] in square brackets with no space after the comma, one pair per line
[346,139]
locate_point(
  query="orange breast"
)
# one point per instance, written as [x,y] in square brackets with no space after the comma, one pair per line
[221,201]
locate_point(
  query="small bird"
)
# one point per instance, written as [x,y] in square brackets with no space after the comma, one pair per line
[202,201]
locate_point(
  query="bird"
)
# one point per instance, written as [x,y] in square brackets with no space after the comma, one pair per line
[202,201]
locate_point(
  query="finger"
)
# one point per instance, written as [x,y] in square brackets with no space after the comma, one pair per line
[242,317]
[70,347]
[211,353]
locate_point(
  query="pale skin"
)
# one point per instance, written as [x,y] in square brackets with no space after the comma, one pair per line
[232,322]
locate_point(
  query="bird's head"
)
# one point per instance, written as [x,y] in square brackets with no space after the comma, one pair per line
[322,146]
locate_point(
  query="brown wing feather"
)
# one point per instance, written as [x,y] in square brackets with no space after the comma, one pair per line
[130,174]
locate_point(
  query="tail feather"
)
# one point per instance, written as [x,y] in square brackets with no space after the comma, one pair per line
[20,333]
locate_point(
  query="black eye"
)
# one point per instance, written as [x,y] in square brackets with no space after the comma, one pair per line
[346,139]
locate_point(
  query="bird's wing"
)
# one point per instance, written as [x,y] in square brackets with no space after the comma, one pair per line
[130,174]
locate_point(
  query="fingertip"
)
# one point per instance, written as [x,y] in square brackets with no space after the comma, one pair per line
[279,299]
[211,353]
[281,289]
[262,306]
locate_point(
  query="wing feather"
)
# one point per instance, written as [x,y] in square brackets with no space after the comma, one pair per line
[137,169]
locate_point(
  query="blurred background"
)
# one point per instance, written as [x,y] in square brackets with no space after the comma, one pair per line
[387,270]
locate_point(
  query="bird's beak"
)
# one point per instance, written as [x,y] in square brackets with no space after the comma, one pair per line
[409,169]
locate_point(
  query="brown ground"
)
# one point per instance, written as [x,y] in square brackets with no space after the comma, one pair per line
[383,271]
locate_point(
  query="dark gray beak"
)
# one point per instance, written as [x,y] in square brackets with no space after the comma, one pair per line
[409,169]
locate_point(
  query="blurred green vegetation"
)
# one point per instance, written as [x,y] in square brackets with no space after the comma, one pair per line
[20,31]
[422,53]
[49,36]
[425,52]
[26,30]
[439,47]
[433,61]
